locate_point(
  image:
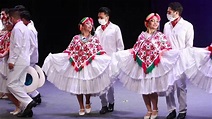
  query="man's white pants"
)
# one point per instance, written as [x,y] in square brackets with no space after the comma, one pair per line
[15,84]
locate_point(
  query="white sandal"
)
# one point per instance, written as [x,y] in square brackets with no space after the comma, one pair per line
[82,112]
[148,116]
[88,108]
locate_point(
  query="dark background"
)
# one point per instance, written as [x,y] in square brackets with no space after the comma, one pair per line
[56,20]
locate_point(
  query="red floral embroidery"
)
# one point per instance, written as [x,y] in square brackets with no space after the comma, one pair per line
[146,50]
[4,41]
[83,52]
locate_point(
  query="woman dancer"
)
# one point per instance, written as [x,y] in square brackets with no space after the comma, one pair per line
[82,69]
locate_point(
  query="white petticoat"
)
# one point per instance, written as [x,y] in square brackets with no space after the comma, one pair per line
[200,74]
[92,79]
[172,65]
[3,74]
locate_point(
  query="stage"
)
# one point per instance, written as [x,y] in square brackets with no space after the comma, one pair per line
[57,104]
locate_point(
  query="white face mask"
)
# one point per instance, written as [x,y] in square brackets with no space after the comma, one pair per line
[170,17]
[102,21]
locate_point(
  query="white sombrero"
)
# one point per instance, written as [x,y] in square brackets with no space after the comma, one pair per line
[31,82]
[41,76]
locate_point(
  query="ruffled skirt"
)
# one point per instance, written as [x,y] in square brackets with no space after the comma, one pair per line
[173,64]
[3,75]
[92,79]
[200,74]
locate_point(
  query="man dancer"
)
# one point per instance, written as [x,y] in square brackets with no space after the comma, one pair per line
[181,34]
[26,18]
[111,40]
[19,60]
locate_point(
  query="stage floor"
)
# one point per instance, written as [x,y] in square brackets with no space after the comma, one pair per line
[57,104]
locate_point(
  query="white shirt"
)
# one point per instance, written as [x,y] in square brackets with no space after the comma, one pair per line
[19,45]
[110,39]
[33,44]
[181,36]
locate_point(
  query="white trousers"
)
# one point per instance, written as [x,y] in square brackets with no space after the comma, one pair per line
[180,87]
[15,84]
[108,97]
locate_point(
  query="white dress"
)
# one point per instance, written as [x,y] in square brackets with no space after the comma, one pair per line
[4,44]
[83,68]
[145,70]
[200,74]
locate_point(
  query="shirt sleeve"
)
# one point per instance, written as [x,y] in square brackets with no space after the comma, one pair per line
[16,44]
[119,40]
[190,36]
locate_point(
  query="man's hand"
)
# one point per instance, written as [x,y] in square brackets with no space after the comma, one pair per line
[11,66]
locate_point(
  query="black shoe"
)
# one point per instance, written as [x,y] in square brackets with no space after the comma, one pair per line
[111,107]
[29,107]
[181,116]
[37,99]
[171,115]
[103,110]
[29,114]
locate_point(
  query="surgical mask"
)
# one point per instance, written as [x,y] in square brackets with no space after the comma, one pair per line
[102,21]
[170,17]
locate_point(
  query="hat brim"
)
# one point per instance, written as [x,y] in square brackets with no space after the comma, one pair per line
[31,82]
[41,76]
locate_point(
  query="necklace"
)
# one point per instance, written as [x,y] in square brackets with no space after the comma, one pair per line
[84,39]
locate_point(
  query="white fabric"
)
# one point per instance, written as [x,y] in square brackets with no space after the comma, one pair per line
[19,56]
[110,39]
[181,35]
[92,79]
[200,74]
[171,67]
[1,25]
[19,45]
[3,74]
[33,44]
[33,94]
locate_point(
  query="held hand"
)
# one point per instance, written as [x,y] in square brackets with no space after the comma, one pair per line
[1,55]
[11,66]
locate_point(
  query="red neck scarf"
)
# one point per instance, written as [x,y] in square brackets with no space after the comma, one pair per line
[105,26]
[175,21]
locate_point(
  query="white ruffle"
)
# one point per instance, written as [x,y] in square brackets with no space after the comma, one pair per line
[3,75]
[200,74]
[3,66]
[92,79]
[3,84]
[172,65]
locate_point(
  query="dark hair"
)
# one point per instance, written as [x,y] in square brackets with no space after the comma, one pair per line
[14,13]
[20,7]
[105,10]
[176,6]
[26,15]
[6,10]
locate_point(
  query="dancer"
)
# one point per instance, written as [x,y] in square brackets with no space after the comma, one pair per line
[151,66]
[18,61]
[111,40]
[4,30]
[181,35]
[82,69]
[26,18]
[4,51]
